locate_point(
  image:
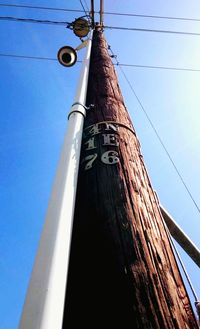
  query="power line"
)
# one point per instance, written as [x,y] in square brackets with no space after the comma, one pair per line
[28,57]
[87,6]
[154,16]
[32,20]
[41,8]
[150,30]
[39,21]
[106,13]
[83,7]
[157,134]
[160,67]
[121,64]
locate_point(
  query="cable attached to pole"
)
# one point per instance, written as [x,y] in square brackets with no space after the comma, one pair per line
[156,133]
[197,300]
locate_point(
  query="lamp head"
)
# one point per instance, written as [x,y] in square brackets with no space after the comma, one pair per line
[67,56]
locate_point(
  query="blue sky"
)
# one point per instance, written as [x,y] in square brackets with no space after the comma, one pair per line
[36,96]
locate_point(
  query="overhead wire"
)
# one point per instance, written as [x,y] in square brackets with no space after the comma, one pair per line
[153,16]
[86,5]
[31,57]
[105,12]
[41,8]
[161,67]
[121,64]
[33,20]
[156,133]
[150,30]
[83,7]
[40,21]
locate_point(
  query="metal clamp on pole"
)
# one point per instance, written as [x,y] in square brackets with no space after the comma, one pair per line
[78,110]
[78,107]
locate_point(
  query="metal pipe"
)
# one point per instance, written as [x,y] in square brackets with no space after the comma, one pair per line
[44,304]
[92,12]
[181,237]
[101,11]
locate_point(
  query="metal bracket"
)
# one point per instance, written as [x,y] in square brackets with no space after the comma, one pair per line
[90,107]
[78,103]
[87,108]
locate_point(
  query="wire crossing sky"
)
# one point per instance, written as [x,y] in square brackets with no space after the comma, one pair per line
[108,13]
[37,92]
[123,28]
[121,64]
[105,13]
[157,134]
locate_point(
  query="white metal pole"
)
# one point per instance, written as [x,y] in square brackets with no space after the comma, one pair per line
[182,239]
[44,304]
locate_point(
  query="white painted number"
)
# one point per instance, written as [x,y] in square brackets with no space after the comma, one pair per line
[91,159]
[110,157]
[90,144]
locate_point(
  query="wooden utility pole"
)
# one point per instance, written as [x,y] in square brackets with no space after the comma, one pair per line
[122,270]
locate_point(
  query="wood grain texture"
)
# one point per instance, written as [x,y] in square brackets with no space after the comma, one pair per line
[122,269]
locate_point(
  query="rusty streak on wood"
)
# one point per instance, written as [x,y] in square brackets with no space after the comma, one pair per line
[122,268]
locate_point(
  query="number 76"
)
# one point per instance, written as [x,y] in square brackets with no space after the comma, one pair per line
[109,157]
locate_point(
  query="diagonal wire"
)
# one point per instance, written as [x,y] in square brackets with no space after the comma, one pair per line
[153,16]
[86,5]
[83,7]
[157,134]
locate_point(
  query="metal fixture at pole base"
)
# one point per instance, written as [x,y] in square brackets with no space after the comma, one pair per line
[44,304]
[181,237]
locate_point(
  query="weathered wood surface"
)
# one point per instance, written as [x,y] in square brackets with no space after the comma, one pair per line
[122,269]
